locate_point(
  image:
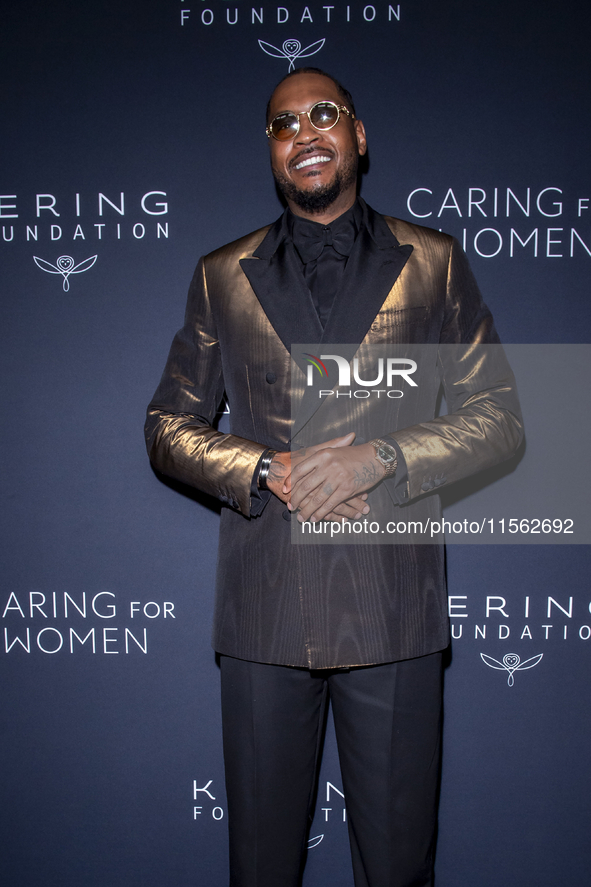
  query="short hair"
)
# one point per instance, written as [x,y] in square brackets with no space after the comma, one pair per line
[344,93]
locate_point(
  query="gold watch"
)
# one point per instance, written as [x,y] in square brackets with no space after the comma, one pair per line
[386,454]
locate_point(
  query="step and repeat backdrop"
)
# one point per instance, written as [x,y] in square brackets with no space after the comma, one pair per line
[133,142]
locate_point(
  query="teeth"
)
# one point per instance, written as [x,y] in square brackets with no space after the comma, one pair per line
[311,160]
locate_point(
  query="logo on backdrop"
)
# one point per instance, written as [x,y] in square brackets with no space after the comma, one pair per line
[50,218]
[65,266]
[267,17]
[511,663]
[565,620]
[207,805]
[292,50]
[77,627]
[500,221]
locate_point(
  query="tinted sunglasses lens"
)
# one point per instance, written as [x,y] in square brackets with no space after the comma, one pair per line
[324,115]
[285,126]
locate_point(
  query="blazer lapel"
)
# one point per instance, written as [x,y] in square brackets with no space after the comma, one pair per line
[277,280]
[372,270]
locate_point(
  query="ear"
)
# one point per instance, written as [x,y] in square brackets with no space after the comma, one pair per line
[361,137]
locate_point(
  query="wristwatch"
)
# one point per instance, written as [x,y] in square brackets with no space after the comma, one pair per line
[386,454]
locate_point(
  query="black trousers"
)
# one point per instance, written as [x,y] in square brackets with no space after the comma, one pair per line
[388,728]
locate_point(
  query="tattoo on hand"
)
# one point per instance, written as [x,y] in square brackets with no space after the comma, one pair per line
[277,471]
[327,489]
[368,476]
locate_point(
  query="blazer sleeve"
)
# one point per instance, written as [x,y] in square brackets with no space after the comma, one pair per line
[180,439]
[484,424]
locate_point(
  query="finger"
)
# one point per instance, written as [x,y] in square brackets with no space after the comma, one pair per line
[310,493]
[340,518]
[347,511]
[351,509]
[337,498]
[313,497]
[320,487]
[330,482]
[345,441]
[306,478]
[301,459]
[303,469]
[360,505]
[337,518]
[307,499]
[324,500]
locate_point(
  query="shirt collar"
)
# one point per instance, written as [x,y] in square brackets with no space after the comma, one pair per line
[354,214]
[371,221]
[310,237]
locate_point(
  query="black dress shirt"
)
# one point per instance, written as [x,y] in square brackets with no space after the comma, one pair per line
[324,251]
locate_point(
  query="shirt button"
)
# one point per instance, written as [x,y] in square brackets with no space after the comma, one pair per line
[271,378]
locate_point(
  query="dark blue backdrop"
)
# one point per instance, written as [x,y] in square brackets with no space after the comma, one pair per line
[112,762]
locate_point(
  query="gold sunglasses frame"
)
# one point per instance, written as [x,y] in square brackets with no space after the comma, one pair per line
[298,114]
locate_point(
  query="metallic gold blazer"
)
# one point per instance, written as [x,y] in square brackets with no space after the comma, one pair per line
[324,606]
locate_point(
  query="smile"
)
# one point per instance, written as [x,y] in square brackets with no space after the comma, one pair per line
[310,161]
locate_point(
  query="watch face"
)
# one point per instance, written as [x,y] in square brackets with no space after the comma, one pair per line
[386,454]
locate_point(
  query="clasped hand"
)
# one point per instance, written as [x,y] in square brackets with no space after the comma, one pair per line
[327,481]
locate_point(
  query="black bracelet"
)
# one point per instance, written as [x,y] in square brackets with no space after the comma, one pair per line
[264,469]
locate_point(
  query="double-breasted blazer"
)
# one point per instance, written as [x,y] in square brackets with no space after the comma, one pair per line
[326,606]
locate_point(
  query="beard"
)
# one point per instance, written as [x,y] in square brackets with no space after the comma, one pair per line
[319,198]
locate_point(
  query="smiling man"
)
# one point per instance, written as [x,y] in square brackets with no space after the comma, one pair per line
[315,169]
[363,626]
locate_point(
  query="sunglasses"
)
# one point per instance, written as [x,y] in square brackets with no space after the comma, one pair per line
[322,116]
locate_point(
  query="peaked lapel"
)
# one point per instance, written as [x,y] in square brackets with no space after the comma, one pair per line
[275,274]
[372,270]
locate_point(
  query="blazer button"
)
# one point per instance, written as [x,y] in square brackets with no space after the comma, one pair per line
[271,378]
[428,485]
[286,514]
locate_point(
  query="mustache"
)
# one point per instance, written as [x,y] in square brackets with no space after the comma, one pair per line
[310,150]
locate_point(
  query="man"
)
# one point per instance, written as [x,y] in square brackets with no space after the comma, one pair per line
[296,624]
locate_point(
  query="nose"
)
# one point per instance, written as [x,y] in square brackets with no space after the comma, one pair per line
[307,133]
